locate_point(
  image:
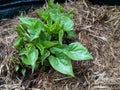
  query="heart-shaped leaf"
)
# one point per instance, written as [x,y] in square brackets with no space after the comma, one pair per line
[62,64]
[69,14]
[77,51]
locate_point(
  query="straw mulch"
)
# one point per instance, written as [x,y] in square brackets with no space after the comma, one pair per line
[98,28]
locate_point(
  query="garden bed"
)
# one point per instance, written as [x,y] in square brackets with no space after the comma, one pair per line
[98,29]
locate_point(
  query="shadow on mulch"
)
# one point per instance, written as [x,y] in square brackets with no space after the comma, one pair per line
[98,29]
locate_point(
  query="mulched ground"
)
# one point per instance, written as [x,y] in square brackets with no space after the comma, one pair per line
[98,28]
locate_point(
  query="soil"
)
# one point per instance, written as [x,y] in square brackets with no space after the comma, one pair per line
[98,28]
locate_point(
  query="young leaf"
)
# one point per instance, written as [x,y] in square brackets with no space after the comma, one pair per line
[55,27]
[18,42]
[62,64]
[61,33]
[23,71]
[42,14]
[16,67]
[77,51]
[52,6]
[50,2]
[69,14]
[47,28]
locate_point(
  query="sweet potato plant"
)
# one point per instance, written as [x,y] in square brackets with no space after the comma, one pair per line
[43,41]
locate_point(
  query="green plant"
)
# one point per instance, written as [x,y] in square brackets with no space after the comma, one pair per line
[45,41]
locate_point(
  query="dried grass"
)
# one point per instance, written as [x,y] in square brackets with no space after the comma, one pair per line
[98,29]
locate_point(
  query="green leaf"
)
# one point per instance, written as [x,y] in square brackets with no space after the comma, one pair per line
[28,21]
[45,55]
[40,47]
[55,27]
[16,67]
[44,36]
[49,22]
[69,14]
[31,57]
[18,42]
[62,64]
[34,27]
[21,32]
[25,60]
[61,33]
[49,44]
[71,34]
[77,51]
[47,28]
[42,14]
[55,15]
[23,51]
[40,39]
[28,45]
[67,23]
[23,71]
[58,49]
[50,2]
[36,30]
[54,7]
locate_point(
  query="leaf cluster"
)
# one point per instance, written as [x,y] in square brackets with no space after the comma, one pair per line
[42,41]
